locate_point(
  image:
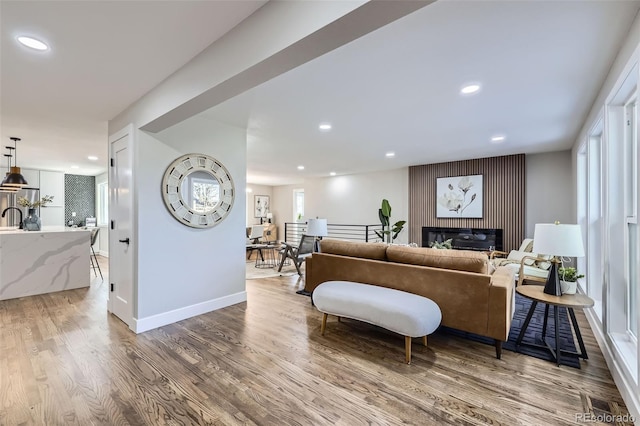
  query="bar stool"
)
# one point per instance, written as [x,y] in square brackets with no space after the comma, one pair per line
[92,256]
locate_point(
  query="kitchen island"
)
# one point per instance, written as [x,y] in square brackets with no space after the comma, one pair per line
[38,262]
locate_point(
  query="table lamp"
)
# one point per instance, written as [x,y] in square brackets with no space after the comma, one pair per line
[317,228]
[557,240]
[269,216]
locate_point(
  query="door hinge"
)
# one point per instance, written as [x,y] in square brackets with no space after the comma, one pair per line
[113,163]
[113,286]
[113,224]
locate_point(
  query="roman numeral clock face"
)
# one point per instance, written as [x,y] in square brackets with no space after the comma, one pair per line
[198,190]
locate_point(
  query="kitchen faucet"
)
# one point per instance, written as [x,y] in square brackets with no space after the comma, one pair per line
[4,212]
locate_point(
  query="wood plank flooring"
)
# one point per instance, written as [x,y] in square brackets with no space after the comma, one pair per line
[65,360]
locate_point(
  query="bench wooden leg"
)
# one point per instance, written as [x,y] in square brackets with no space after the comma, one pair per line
[407,348]
[339,319]
[424,340]
[324,323]
[498,344]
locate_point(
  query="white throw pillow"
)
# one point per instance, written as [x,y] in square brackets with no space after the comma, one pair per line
[518,255]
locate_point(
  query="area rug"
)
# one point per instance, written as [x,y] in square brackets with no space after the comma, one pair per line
[533,334]
[253,273]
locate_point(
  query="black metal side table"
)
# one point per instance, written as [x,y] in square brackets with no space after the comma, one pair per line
[569,301]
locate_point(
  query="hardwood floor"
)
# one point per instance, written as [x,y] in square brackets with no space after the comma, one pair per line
[65,360]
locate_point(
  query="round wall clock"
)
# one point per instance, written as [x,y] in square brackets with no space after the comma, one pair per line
[198,190]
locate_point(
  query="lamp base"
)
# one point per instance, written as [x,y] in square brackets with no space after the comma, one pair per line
[552,285]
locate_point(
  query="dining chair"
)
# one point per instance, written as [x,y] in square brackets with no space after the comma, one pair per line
[257,232]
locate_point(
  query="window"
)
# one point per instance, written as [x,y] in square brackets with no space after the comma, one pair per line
[631,208]
[298,204]
[591,214]
[102,207]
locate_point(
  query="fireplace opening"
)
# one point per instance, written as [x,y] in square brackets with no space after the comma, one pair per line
[480,239]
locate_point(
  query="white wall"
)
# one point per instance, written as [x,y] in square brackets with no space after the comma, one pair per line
[258,190]
[349,199]
[182,268]
[548,194]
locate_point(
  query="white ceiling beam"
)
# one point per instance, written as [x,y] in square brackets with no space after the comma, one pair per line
[277,38]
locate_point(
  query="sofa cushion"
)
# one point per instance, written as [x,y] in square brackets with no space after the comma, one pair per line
[460,260]
[376,251]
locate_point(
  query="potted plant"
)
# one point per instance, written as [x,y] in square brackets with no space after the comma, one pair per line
[389,231]
[568,279]
[32,221]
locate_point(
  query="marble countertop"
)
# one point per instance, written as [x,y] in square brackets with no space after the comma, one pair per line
[10,230]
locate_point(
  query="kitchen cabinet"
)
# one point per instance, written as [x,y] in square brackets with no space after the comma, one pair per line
[52,183]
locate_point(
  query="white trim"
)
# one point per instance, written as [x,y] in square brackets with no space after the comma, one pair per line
[626,388]
[144,324]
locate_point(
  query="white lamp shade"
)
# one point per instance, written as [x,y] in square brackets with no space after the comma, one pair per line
[558,240]
[317,227]
[269,215]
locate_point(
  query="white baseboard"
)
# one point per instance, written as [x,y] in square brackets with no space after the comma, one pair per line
[625,384]
[141,325]
[102,253]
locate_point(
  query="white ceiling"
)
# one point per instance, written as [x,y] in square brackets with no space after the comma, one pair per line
[104,56]
[541,65]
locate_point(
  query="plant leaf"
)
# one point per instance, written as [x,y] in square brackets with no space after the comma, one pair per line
[386,208]
[384,220]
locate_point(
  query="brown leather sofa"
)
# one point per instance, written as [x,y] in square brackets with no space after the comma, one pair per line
[470,297]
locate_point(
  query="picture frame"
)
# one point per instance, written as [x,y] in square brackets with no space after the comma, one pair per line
[459,197]
[261,206]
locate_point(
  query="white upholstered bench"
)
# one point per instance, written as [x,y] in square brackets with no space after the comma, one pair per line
[404,313]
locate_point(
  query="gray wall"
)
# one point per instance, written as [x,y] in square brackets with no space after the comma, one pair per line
[79,197]
[549,189]
[183,269]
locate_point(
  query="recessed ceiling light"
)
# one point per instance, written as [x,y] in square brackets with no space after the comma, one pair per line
[390,154]
[75,167]
[470,89]
[332,173]
[497,138]
[325,127]
[33,43]
[300,167]
[92,158]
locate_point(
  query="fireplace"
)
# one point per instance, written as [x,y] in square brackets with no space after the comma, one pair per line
[464,238]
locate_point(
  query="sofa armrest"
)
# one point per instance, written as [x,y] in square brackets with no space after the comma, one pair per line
[501,302]
[308,275]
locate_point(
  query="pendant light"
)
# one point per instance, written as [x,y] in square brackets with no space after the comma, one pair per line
[9,189]
[14,178]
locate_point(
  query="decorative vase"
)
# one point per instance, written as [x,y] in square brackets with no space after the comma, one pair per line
[568,287]
[32,221]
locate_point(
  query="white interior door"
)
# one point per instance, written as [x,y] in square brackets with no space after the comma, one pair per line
[121,227]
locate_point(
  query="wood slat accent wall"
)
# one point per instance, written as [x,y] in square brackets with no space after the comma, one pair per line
[504,196]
